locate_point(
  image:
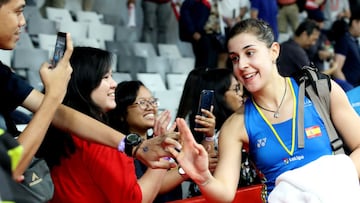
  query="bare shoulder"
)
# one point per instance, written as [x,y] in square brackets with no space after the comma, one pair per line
[234,126]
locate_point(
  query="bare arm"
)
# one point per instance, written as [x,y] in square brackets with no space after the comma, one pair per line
[149,184]
[171,180]
[194,159]
[340,60]
[346,122]
[332,69]
[55,81]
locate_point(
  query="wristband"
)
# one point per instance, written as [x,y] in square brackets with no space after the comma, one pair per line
[204,183]
[210,139]
[121,146]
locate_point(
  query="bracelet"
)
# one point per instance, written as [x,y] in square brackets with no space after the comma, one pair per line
[204,183]
[121,146]
[136,149]
[210,139]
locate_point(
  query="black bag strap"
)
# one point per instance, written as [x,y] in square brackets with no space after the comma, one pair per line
[319,93]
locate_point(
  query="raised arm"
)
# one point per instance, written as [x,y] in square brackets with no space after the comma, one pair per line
[193,158]
[55,82]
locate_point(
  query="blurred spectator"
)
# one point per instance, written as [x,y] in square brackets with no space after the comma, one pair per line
[156,19]
[288,15]
[347,53]
[334,10]
[199,24]
[232,12]
[321,54]
[267,11]
[305,36]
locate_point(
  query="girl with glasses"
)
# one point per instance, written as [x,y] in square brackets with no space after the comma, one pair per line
[136,111]
[83,171]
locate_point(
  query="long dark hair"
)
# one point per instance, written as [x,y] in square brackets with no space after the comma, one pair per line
[89,67]
[219,80]
[125,95]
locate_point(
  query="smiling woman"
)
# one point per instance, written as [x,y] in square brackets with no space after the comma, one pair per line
[136,111]
[91,90]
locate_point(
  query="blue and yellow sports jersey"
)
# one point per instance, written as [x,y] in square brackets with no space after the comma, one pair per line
[269,155]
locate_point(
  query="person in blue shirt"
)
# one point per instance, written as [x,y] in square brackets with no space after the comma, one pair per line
[266,122]
[354,98]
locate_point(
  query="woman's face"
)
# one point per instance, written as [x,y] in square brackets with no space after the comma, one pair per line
[233,96]
[253,60]
[104,95]
[142,113]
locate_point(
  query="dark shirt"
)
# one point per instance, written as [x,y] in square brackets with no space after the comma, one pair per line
[13,89]
[175,194]
[193,17]
[348,46]
[292,58]
[313,51]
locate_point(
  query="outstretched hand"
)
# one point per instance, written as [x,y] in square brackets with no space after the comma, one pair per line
[192,157]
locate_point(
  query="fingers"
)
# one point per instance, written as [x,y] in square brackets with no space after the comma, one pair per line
[172,127]
[161,123]
[171,143]
[68,52]
[19,179]
[184,130]
[69,47]
[162,164]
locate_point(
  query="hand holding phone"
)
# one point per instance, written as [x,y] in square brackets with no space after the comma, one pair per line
[60,47]
[205,102]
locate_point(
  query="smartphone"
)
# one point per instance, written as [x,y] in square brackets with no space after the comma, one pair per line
[205,102]
[60,47]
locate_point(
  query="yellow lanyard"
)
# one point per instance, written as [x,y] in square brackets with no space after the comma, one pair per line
[290,152]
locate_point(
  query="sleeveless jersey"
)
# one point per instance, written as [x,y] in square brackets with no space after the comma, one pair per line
[267,152]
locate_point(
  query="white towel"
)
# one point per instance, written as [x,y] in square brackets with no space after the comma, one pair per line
[329,179]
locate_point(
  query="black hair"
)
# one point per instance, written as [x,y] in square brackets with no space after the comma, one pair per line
[89,67]
[307,26]
[258,27]
[219,80]
[338,29]
[2,2]
[125,95]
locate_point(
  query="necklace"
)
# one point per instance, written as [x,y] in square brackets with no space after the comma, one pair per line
[293,124]
[276,113]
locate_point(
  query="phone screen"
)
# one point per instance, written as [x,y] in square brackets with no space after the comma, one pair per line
[60,47]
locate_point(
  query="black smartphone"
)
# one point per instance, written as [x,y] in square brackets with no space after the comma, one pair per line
[60,47]
[205,102]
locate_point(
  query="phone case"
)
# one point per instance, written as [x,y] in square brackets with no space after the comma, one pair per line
[60,47]
[205,102]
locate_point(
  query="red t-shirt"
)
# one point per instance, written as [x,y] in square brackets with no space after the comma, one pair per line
[95,173]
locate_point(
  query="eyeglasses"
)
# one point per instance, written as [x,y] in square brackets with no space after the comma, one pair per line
[145,103]
[237,89]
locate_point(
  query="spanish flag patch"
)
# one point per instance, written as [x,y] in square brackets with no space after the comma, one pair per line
[313,131]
